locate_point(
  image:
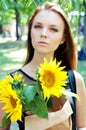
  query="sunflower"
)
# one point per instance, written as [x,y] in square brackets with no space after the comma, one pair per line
[9,78]
[12,103]
[52,78]
[18,77]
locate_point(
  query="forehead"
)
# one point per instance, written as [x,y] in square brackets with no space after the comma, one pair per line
[50,17]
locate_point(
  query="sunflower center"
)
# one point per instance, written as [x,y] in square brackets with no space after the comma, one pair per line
[13,102]
[49,79]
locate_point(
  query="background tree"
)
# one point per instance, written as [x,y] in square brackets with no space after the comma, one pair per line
[21,10]
[84,4]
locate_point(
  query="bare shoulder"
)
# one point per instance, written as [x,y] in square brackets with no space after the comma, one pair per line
[78,76]
[80,86]
[80,104]
[79,80]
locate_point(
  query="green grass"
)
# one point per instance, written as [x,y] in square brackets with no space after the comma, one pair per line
[12,55]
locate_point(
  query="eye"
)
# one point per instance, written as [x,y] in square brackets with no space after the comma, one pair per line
[53,29]
[37,26]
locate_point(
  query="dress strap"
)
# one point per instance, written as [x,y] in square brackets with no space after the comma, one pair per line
[72,86]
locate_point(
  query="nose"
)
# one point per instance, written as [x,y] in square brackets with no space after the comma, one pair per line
[44,33]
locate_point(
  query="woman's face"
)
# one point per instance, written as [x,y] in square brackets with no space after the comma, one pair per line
[47,31]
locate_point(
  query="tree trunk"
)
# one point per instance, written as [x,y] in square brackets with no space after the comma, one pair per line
[1,29]
[18,36]
[17,24]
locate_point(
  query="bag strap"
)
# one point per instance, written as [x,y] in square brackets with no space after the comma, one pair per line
[72,86]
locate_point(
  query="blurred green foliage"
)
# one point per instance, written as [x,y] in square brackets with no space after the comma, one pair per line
[25,9]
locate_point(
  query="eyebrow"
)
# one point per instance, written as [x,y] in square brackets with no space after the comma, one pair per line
[54,25]
[38,23]
[49,25]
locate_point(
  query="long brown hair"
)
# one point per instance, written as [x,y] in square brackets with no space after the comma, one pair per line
[66,51]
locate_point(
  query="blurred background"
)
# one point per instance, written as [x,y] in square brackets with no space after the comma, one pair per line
[14,16]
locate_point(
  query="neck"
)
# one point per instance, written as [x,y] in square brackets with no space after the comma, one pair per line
[39,59]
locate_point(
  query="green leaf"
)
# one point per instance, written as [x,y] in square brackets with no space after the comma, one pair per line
[70,94]
[30,91]
[50,102]
[39,107]
[4,121]
[17,85]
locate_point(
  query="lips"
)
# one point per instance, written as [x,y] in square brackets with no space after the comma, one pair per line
[42,42]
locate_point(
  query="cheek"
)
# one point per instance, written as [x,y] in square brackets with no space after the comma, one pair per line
[33,38]
[32,34]
[56,41]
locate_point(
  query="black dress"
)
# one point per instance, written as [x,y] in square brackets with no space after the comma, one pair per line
[71,86]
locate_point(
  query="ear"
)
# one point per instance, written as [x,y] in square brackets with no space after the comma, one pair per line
[63,40]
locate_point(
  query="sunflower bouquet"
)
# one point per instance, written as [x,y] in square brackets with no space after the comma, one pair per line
[19,98]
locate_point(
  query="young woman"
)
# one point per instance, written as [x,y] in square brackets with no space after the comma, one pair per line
[49,35]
